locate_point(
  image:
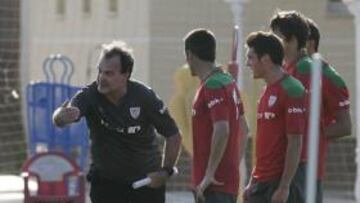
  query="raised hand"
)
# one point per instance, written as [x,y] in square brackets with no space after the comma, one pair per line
[65,114]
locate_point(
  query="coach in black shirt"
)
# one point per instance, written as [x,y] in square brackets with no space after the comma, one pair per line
[122,115]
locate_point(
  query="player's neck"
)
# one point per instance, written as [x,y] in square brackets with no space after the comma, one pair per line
[205,70]
[115,96]
[292,56]
[274,75]
[312,52]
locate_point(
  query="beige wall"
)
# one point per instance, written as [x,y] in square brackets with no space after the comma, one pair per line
[76,34]
[169,23]
[155,30]
[171,20]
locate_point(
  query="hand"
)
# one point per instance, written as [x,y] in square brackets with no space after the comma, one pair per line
[158,178]
[66,114]
[246,192]
[206,181]
[280,195]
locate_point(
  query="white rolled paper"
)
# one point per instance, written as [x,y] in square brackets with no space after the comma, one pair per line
[145,181]
[141,183]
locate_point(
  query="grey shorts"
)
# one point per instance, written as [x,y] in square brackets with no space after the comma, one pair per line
[262,192]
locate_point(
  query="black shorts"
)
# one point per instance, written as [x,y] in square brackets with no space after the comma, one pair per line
[262,192]
[110,191]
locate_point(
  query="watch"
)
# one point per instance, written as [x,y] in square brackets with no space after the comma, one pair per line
[169,170]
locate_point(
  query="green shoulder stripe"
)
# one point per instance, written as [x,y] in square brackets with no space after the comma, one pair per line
[218,80]
[304,65]
[333,76]
[293,87]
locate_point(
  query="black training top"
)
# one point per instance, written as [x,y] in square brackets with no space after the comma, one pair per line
[123,138]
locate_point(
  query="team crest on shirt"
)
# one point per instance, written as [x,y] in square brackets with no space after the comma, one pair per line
[135,112]
[272,100]
[163,109]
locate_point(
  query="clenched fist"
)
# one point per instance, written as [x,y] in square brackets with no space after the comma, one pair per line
[65,114]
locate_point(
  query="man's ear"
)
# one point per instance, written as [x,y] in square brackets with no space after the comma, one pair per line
[188,54]
[293,41]
[127,74]
[265,59]
[311,44]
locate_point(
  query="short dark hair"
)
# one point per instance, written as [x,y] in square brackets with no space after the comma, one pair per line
[314,33]
[266,43]
[119,48]
[291,23]
[201,42]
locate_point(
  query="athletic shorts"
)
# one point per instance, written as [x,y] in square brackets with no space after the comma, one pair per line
[109,191]
[262,192]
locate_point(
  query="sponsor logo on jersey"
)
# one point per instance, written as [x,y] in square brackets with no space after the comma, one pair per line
[344,103]
[272,100]
[295,110]
[108,126]
[163,109]
[104,123]
[214,101]
[266,115]
[135,112]
[133,129]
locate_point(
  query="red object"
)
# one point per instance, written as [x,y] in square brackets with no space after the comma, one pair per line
[333,99]
[233,67]
[235,43]
[212,104]
[278,115]
[58,178]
